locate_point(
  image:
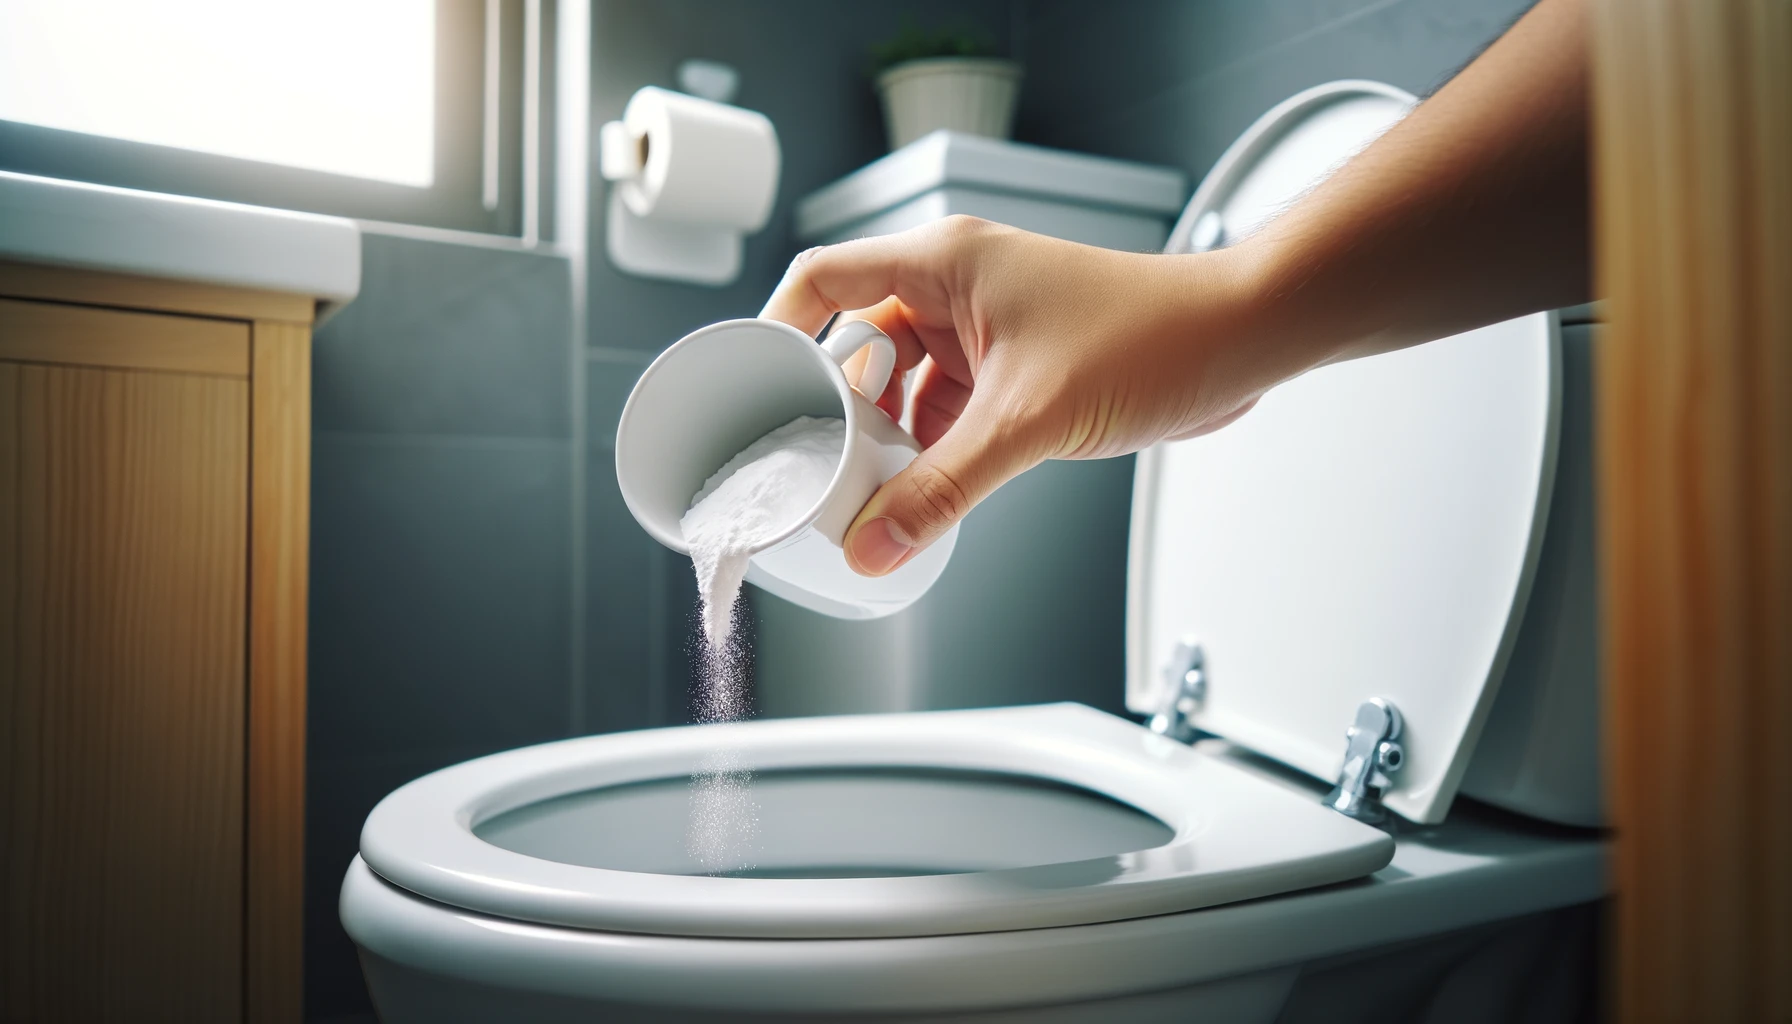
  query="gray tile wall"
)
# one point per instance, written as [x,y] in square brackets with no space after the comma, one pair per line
[1172,82]
[440,543]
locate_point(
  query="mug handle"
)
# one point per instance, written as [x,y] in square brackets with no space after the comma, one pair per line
[853,335]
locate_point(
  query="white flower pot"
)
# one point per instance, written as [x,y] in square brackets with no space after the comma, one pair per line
[965,94]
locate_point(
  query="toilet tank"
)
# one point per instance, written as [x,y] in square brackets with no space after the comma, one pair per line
[1115,204]
[1540,752]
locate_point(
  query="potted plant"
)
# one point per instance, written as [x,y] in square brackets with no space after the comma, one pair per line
[946,78]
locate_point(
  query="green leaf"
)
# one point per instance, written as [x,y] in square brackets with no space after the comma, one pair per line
[912,42]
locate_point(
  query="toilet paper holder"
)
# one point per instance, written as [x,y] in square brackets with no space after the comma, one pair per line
[691,177]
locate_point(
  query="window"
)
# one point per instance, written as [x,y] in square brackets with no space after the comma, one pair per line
[403,110]
[232,78]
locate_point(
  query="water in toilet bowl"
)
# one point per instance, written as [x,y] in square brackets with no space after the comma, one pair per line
[761,492]
[839,822]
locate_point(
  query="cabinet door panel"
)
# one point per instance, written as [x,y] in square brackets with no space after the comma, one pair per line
[122,702]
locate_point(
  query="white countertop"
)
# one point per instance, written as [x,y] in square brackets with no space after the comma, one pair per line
[97,227]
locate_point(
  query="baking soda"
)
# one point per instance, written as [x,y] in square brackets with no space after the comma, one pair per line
[757,495]
[760,493]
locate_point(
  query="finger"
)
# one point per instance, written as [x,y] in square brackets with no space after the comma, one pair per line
[898,322]
[895,396]
[852,275]
[893,318]
[895,390]
[854,367]
[939,401]
[918,337]
[929,497]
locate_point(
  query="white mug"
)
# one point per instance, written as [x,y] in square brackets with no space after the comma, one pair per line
[719,389]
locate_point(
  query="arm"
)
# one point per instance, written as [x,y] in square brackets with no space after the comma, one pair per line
[1470,211]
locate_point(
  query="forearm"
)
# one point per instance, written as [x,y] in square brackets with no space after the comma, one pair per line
[1472,210]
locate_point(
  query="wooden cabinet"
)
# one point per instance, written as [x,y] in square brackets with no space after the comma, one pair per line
[154,464]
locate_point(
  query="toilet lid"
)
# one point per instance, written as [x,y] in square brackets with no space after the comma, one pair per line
[1369,530]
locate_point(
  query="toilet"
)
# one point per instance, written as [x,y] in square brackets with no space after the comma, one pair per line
[1366,784]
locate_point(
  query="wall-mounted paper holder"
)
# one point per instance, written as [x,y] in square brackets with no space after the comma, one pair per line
[691,178]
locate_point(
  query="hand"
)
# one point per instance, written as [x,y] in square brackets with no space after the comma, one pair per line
[1036,349]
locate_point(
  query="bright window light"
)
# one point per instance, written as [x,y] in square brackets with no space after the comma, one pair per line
[344,86]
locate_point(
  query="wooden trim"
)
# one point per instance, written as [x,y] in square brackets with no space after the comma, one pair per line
[1693,173]
[133,291]
[279,516]
[51,332]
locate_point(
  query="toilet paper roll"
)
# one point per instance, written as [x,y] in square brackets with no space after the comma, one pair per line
[705,163]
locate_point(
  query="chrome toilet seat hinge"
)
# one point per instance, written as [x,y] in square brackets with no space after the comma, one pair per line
[1372,754]
[1185,688]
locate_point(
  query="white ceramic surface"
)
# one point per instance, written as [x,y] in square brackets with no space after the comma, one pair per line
[1235,837]
[97,227]
[1370,529]
[993,167]
[720,388]
[1467,872]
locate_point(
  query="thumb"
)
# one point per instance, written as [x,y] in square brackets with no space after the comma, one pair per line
[916,506]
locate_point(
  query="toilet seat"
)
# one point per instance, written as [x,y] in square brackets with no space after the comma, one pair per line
[1235,836]
[1478,867]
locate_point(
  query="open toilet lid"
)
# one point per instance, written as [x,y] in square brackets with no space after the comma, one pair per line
[1368,530]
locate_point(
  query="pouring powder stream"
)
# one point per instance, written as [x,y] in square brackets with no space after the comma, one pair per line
[758,494]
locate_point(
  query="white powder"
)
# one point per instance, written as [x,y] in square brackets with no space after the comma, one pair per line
[759,494]
[724,819]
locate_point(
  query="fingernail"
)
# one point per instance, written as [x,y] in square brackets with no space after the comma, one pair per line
[879,545]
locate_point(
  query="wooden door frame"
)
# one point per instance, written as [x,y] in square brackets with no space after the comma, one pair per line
[1693,195]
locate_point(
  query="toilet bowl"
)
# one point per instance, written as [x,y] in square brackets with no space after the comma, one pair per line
[1049,859]
[1324,614]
